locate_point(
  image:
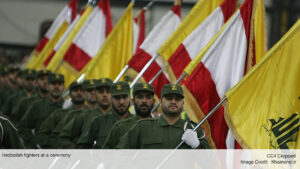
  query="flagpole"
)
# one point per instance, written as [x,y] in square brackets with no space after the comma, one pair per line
[157,74]
[143,70]
[121,73]
[149,5]
[194,129]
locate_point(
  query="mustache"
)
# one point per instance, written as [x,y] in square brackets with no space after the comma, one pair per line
[144,105]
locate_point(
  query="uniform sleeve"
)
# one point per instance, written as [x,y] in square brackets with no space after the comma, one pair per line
[130,140]
[67,137]
[43,136]
[27,124]
[111,140]
[10,137]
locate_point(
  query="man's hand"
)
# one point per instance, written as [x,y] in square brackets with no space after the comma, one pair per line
[190,138]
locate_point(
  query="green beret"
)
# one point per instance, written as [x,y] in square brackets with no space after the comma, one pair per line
[119,88]
[104,82]
[143,87]
[87,84]
[43,72]
[75,84]
[52,78]
[171,89]
[29,73]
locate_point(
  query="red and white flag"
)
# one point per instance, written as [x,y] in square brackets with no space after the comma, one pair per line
[68,14]
[201,35]
[218,68]
[64,19]
[87,41]
[148,49]
[138,29]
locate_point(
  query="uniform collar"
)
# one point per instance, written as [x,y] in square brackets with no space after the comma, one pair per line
[162,121]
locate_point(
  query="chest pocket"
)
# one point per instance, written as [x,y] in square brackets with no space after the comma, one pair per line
[152,142]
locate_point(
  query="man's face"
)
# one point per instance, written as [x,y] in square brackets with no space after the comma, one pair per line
[90,95]
[21,81]
[13,77]
[43,82]
[172,105]
[143,103]
[77,95]
[121,103]
[30,84]
[56,89]
[103,96]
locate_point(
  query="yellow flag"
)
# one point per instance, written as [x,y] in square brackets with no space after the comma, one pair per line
[260,31]
[263,109]
[115,52]
[57,58]
[200,11]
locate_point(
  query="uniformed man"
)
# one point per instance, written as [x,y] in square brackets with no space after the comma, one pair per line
[41,109]
[24,103]
[45,137]
[168,130]
[143,101]
[17,93]
[9,138]
[75,133]
[101,126]
[90,93]
[29,83]
[4,85]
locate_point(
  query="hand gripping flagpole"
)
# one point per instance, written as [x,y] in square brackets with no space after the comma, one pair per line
[123,71]
[194,129]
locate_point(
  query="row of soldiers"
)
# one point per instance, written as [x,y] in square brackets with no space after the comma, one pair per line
[33,114]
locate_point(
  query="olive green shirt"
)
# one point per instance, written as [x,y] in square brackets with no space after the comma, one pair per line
[158,134]
[117,131]
[36,114]
[19,109]
[11,101]
[73,130]
[9,138]
[44,135]
[100,128]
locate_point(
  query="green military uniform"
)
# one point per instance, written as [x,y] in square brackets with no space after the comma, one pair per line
[121,127]
[117,131]
[4,89]
[45,138]
[44,135]
[158,134]
[37,114]
[100,128]
[9,137]
[14,102]
[23,105]
[11,101]
[72,130]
